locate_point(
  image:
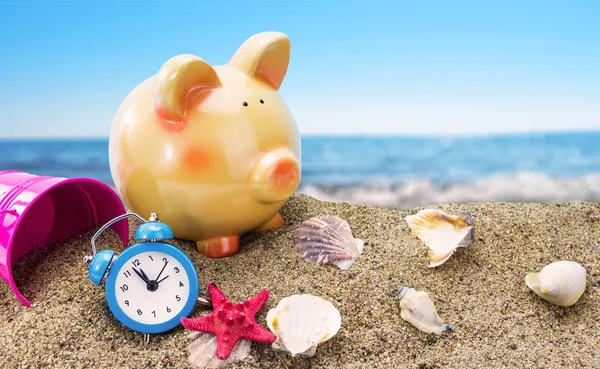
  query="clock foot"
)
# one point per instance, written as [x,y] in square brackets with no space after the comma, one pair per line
[219,247]
[276,222]
[146,339]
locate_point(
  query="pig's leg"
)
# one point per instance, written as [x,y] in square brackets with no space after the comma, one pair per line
[219,247]
[276,222]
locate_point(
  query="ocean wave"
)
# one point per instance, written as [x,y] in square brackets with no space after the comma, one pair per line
[518,187]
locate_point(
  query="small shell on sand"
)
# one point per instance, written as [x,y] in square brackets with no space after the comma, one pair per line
[302,322]
[418,309]
[561,283]
[327,239]
[441,233]
[203,352]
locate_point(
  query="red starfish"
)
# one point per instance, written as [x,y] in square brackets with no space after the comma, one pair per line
[230,322]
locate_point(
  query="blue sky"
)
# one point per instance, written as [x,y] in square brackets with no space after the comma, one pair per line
[406,67]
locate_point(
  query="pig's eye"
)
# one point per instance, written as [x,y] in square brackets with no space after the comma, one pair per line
[262,101]
[245,103]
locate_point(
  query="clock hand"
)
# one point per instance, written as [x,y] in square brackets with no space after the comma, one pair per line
[163,268]
[162,279]
[145,275]
[145,279]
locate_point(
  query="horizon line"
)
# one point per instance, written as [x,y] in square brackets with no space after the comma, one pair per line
[349,135]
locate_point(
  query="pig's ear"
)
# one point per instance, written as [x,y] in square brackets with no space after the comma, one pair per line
[264,56]
[176,79]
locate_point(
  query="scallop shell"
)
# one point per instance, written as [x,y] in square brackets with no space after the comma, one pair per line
[561,283]
[441,233]
[418,309]
[302,322]
[203,351]
[327,239]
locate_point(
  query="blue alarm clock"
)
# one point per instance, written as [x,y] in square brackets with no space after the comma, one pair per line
[152,284]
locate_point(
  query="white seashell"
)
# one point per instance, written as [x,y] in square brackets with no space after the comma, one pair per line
[441,233]
[302,322]
[561,283]
[327,239]
[418,309]
[203,352]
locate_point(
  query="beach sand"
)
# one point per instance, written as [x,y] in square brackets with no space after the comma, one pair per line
[498,322]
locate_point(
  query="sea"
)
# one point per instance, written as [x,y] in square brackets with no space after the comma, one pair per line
[387,171]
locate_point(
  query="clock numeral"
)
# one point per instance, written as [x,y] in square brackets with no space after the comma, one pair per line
[180,284]
[176,270]
[177,298]
[139,312]
[150,256]
[124,287]
[127,302]
[165,260]
[127,273]
[136,262]
[168,310]
[154,312]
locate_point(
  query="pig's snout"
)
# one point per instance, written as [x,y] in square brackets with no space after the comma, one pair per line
[276,176]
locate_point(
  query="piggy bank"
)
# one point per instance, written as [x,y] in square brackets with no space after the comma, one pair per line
[213,149]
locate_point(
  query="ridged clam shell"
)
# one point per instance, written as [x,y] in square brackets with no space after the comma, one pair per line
[561,283]
[442,233]
[418,309]
[302,322]
[327,239]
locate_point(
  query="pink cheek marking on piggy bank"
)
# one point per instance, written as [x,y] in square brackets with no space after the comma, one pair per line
[196,158]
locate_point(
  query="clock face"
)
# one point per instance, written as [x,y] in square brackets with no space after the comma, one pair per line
[152,287]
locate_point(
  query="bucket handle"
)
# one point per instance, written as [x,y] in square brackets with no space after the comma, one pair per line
[104,227]
[8,211]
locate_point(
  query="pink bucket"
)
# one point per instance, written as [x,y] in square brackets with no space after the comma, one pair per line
[37,211]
